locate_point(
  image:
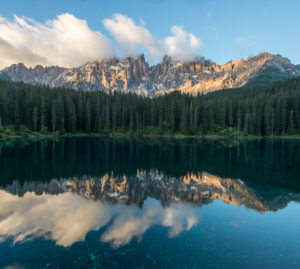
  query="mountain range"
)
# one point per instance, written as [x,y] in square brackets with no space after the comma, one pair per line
[135,74]
[198,189]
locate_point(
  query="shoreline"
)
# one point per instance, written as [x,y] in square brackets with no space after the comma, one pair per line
[41,136]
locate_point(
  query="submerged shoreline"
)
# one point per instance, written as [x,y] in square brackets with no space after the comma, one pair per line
[37,135]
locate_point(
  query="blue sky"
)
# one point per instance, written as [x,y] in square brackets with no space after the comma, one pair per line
[227,29]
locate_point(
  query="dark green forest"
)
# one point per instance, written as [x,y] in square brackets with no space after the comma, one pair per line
[258,162]
[268,110]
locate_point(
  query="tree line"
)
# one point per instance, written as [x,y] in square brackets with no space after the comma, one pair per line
[273,109]
[253,160]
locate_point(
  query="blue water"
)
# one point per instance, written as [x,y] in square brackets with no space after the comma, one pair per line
[177,204]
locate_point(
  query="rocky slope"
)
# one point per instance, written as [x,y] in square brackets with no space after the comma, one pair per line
[135,74]
[198,189]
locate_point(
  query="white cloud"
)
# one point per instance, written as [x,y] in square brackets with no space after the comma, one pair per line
[67,218]
[134,222]
[69,42]
[132,37]
[181,44]
[65,41]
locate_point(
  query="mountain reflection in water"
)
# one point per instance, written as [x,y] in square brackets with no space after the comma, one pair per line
[65,210]
[143,203]
[199,189]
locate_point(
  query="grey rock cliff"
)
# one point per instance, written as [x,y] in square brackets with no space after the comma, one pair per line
[135,75]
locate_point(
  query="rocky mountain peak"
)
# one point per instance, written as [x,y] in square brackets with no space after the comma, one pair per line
[134,74]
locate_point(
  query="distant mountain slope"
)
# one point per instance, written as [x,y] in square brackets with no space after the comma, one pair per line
[269,75]
[134,74]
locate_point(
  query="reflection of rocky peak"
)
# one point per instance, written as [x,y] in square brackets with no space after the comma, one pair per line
[199,189]
[134,74]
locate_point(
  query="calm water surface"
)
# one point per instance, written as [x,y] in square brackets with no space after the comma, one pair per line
[113,203]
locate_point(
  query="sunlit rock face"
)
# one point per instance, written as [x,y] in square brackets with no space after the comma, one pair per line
[135,74]
[198,189]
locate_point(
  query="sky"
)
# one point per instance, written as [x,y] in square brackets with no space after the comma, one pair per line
[72,32]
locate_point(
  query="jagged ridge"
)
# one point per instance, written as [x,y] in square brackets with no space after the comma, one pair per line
[199,189]
[135,75]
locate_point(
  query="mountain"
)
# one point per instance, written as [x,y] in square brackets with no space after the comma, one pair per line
[135,74]
[198,189]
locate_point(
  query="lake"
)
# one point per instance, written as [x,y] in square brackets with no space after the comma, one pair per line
[143,203]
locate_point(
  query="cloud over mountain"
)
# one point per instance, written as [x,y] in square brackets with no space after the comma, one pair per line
[69,42]
[65,41]
[182,44]
[130,37]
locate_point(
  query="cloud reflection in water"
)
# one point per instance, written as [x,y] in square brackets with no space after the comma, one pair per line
[67,218]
